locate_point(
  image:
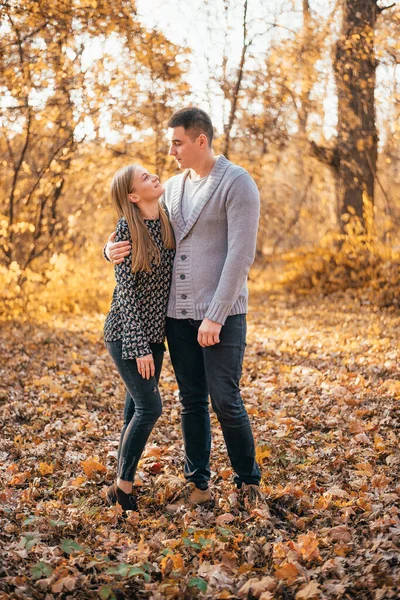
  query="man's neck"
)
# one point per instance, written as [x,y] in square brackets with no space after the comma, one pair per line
[204,168]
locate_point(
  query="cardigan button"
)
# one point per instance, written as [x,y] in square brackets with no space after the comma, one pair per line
[183,257]
[183,276]
[183,296]
[184,311]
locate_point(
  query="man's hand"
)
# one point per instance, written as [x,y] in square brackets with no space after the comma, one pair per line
[116,251]
[145,366]
[208,334]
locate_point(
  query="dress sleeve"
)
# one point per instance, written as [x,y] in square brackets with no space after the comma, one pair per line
[134,340]
[104,253]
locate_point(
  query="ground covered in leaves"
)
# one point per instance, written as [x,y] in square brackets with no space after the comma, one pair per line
[322,385]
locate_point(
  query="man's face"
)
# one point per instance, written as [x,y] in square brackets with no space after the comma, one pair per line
[183,148]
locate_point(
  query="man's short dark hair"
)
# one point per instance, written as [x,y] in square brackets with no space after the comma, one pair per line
[194,120]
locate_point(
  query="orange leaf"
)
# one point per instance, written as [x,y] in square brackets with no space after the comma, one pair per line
[225,473]
[379,443]
[356,426]
[78,481]
[152,451]
[91,466]
[288,572]
[245,568]
[20,478]
[323,502]
[307,546]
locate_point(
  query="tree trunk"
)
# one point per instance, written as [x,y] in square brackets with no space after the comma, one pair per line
[355,80]
[304,69]
[237,86]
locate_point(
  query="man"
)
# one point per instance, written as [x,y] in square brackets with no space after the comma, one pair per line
[214,211]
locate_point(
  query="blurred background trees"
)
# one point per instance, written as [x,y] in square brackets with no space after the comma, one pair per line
[304,94]
[70,75]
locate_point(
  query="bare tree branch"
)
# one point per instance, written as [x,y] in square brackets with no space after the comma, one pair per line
[328,156]
[380,9]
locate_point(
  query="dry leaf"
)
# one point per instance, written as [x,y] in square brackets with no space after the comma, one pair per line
[92,466]
[309,592]
[225,518]
[45,469]
[288,572]
[256,587]
[307,546]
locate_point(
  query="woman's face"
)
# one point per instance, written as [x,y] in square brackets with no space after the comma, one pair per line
[146,186]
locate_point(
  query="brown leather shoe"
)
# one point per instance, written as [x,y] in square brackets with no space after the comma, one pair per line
[116,496]
[189,496]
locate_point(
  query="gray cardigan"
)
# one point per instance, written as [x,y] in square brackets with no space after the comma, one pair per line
[216,247]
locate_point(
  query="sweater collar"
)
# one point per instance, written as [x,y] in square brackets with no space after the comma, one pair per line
[213,181]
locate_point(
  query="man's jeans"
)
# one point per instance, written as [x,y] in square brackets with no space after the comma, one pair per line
[142,407]
[214,370]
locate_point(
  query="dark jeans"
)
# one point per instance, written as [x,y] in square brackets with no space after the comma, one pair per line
[214,370]
[142,407]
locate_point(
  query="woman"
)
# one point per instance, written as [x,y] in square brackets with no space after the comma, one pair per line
[134,327]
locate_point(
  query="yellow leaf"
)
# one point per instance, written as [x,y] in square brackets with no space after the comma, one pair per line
[45,380]
[262,452]
[45,469]
[172,562]
[393,387]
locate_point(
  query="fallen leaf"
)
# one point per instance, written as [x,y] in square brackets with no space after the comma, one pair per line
[256,587]
[45,468]
[288,572]
[307,546]
[92,466]
[308,592]
[225,518]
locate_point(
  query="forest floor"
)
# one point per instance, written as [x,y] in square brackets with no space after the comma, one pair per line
[321,383]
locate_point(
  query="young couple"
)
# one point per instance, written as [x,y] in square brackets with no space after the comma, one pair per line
[181,265]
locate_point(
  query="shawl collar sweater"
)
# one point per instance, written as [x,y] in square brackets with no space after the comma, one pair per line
[216,246]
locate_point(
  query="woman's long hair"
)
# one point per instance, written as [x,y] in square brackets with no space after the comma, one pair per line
[144,250]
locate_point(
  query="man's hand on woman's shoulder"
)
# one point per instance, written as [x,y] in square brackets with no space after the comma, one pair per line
[117,251]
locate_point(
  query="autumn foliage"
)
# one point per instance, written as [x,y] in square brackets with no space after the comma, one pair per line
[321,385]
[86,88]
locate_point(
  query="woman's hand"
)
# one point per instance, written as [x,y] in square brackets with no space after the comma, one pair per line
[145,366]
[117,251]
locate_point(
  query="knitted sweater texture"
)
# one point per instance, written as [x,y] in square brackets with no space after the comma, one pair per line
[216,246]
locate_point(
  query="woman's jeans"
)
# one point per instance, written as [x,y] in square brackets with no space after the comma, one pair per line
[214,370]
[143,407]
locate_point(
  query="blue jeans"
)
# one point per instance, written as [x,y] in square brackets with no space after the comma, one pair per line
[214,370]
[143,407]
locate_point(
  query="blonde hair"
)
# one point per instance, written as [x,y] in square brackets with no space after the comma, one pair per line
[144,250]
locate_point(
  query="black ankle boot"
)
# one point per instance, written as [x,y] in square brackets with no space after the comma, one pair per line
[116,495]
